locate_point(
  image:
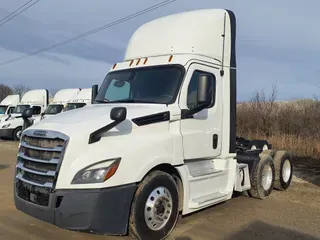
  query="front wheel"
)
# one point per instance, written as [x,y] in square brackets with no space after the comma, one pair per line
[155,208]
[17,134]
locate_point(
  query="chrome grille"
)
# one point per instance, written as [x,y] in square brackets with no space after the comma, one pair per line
[38,162]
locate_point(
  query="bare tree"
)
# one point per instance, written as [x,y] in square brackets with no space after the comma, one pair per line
[20,89]
[4,91]
[265,108]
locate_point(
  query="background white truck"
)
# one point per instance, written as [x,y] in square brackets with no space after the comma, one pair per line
[82,99]
[159,140]
[56,106]
[8,104]
[11,126]
[59,101]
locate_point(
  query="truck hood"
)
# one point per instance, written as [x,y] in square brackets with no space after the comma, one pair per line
[84,121]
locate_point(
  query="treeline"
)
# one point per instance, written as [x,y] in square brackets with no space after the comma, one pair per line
[293,125]
[17,89]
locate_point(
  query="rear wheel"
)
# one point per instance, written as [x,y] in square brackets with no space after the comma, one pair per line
[155,208]
[283,170]
[17,134]
[262,178]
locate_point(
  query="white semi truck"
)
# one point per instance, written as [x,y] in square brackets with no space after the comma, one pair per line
[56,106]
[60,101]
[8,105]
[11,126]
[159,140]
[82,99]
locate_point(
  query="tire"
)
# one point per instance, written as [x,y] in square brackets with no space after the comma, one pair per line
[283,170]
[15,134]
[261,188]
[156,185]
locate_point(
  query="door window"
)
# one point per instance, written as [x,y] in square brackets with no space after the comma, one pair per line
[193,89]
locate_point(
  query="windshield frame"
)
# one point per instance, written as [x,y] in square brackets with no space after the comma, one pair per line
[6,107]
[65,109]
[180,67]
[14,111]
[53,104]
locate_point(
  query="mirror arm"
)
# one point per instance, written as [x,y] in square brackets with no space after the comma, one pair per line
[96,135]
[185,113]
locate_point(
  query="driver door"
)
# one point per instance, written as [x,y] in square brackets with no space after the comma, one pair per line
[201,133]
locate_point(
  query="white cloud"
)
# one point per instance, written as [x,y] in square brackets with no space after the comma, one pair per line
[277,41]
[43,72]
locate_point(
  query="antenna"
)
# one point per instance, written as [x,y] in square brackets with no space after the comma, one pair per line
[223,43]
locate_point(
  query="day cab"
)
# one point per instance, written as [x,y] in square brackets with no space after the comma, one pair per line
[11,126]
[158,141]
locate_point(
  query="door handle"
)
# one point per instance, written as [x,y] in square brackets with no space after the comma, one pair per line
[215,141]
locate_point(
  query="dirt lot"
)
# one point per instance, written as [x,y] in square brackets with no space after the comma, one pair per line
[293,214]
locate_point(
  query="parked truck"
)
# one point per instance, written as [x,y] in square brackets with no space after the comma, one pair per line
[8,105]
[82,99]
[159,140]
[60,101]
[11,126]
[56,106]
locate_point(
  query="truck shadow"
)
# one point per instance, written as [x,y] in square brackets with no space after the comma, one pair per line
[256,230]
[4,166]
[307,169]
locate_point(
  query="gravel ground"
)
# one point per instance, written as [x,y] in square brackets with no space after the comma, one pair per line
[293,214]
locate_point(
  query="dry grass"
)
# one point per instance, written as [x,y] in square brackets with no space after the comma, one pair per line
[294,126]
[301,147]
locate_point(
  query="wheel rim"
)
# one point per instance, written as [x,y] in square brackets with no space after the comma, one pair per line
[18,134]
[266,177]
[253,147]
[286,170]
[158,208]
[265,147]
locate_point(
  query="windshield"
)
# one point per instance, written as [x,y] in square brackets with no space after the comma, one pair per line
[20,108]
[3,109]
[142,85]
[54,109]
[71,106]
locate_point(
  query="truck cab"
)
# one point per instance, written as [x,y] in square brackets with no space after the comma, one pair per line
[82,99]
[158,141]
[11,125]
[8,105]
[60,101]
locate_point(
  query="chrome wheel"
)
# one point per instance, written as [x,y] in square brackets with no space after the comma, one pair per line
[158,208]
[266,177]
[18,134]
[286,170]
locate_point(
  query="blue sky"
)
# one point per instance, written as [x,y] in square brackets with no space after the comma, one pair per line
[277,42]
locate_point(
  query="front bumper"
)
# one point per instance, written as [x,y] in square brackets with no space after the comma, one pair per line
[102,211]
[6,132]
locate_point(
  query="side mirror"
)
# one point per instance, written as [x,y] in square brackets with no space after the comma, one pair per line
[203,96]
[118,114]
[27,113]
[94,93]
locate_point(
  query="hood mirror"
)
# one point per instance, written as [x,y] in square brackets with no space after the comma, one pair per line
[118,114]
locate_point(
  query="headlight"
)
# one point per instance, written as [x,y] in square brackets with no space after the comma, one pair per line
[6,125]
[97,173]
